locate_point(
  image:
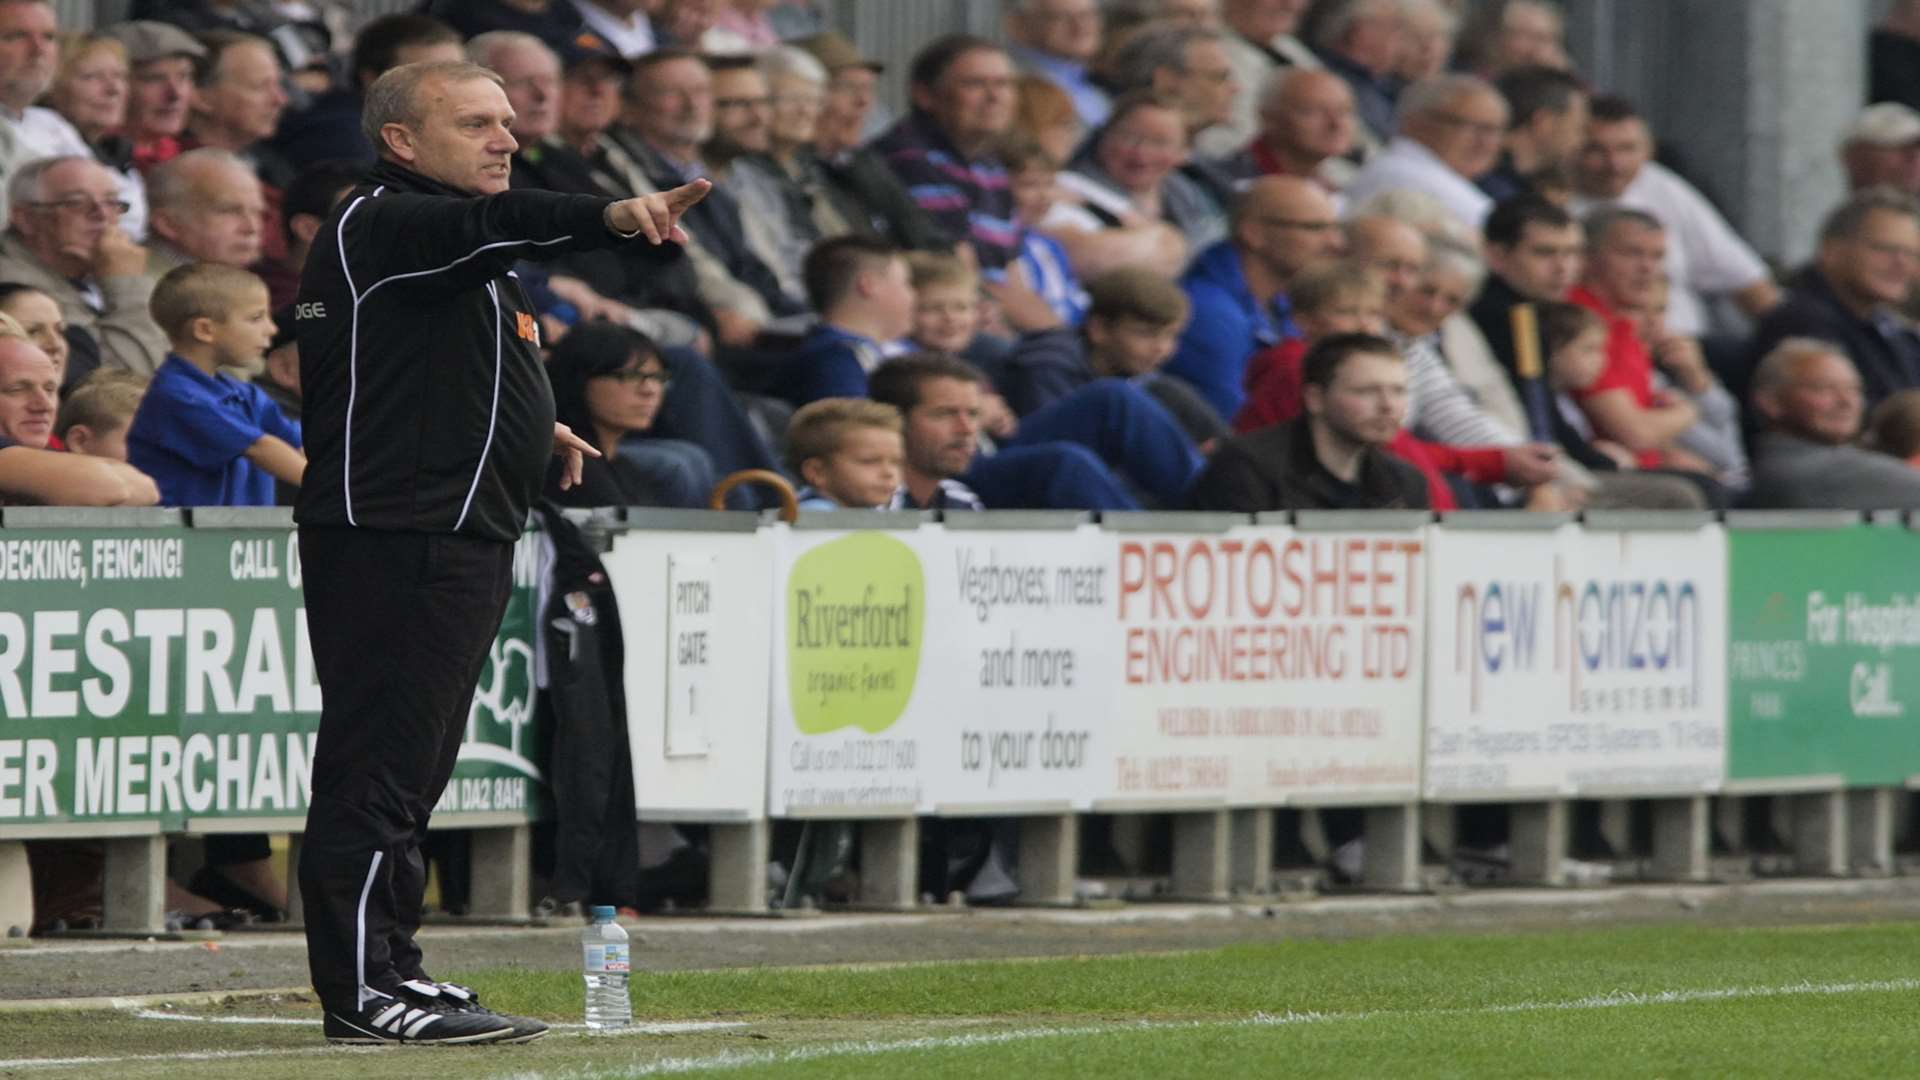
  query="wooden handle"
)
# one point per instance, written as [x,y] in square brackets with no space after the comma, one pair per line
[789,502]
[1526,342]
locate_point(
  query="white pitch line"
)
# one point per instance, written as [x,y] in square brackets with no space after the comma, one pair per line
[739,1059]
[679,1027]
[734,1059]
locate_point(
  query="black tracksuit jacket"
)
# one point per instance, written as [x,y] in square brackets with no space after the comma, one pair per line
[427,408]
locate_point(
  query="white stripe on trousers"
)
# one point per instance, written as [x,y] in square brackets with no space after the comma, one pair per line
[360,932]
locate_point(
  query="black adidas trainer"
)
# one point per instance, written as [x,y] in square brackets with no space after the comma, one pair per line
[464,1000]
[393,1020]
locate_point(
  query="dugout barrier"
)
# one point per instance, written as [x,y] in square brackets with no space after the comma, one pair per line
[888,668]
[156,680]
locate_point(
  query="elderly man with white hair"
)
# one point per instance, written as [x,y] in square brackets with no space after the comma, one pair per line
[207,206]
[783,190]
[1882,149]
[1449,133]
[1809,400]
[1307,128]
[65,240]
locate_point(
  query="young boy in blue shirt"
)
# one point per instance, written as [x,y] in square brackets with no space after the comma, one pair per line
[849,452]
[207,438]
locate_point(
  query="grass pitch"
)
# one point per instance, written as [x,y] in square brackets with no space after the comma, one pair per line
[1675,1001]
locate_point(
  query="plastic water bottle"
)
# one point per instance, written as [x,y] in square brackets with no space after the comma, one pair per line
[606,966]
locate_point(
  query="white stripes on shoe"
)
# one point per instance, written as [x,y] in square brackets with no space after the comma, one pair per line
[404,1020]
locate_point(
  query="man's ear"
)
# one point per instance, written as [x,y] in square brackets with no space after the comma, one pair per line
[1313,398]
[161,224]
[922,96]
[305,226]
[399,141]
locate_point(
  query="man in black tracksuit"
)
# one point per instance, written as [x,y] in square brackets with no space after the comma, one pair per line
[429,423]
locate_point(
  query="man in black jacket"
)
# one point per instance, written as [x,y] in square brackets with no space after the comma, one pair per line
[1332,457]
[1851,295]
[429,422]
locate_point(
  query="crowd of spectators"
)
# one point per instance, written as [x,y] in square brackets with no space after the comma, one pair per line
[1221,254]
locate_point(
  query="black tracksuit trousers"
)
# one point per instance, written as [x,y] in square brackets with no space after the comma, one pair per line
[401,626]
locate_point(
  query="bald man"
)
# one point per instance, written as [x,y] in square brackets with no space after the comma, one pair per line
[1392,249]
[207,206]
[1237,287]
[1808,397]
[1439,408]
[1450,133]
[1307,127]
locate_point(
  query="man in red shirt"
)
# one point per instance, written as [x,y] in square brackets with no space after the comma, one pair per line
[1626,253]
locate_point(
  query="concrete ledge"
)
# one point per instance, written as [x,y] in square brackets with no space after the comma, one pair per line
[1016,520]
[241,517]
[90,517]
[652,519]
[1154,521]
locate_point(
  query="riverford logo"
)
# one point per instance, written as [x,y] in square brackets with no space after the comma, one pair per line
[856,609]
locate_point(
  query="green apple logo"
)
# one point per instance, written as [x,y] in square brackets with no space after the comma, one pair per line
[855,611]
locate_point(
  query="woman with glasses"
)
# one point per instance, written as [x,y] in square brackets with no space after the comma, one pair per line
[1124,188]
[784,188]
[608,384]
[90,89]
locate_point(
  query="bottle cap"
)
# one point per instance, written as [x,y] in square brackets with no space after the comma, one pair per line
[603,913]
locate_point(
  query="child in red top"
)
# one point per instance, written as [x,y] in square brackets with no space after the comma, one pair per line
[1334,298]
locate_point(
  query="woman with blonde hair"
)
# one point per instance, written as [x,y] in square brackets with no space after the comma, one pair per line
[1044,113]
[91,89]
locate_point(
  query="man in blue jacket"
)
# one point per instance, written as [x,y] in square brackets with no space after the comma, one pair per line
[1238,287]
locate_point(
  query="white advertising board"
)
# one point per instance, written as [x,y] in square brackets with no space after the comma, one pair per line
[1267,665]
[1570,662]
[932,671]
[693,609]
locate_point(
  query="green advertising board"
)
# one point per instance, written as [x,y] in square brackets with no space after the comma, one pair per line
[164,676]
[1823,660]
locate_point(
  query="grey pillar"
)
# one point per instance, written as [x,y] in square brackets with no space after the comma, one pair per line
[1392,860]
[737,868]
[1538,842]
[1201,858]
[16,887]
[1439,826]
[134,894]
[890,863]
[1252,858]
[1049,859]
[1870,831]
[1750,95]
[1820,833]
[502,872]
[1680,849]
